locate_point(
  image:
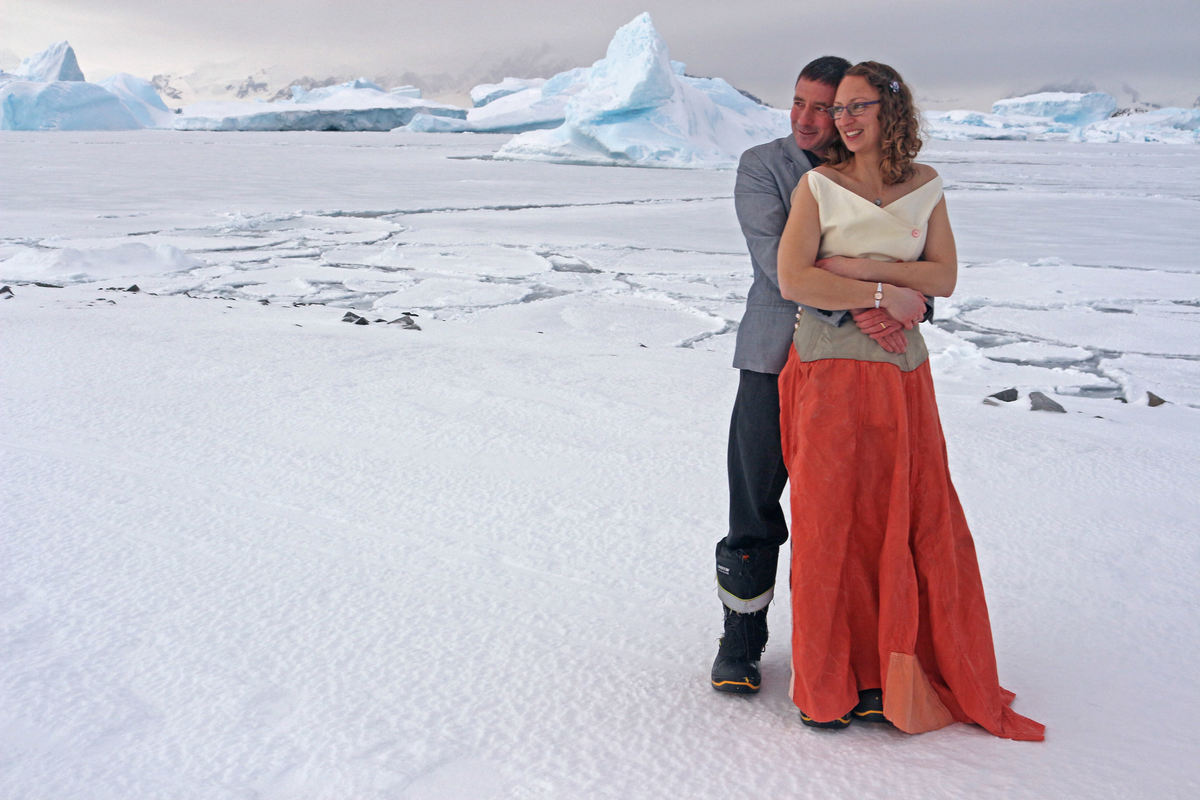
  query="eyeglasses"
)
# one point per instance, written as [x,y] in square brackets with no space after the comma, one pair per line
[854,109]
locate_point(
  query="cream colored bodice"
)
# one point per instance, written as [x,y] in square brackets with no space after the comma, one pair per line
[854,227]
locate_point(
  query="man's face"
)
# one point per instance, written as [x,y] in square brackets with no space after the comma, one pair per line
[811,125]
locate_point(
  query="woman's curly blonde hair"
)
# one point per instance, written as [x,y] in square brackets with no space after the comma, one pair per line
[899,122]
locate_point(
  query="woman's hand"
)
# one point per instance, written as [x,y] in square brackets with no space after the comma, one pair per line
[879,325]
[907,306]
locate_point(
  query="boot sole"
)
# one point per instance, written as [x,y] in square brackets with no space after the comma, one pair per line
[832,725]
[870,716]
[736,687]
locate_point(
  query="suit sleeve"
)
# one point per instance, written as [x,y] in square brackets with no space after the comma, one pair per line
[760,212]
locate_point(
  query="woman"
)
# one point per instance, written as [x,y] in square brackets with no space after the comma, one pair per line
[889,616]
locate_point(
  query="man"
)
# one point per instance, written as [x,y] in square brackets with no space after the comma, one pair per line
[748,555]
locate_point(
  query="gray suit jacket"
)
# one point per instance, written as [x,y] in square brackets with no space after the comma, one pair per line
[766,176]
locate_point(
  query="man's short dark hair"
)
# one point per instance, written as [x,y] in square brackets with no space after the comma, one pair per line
[828,70]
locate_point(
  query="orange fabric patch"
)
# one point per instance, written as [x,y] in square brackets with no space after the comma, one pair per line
[909,701]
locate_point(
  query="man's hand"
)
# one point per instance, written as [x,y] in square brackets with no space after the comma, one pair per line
[879,325]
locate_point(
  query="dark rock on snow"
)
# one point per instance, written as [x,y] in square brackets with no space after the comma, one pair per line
[406,322]
[1040,402]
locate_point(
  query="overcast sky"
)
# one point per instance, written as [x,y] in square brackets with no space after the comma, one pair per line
[962,54]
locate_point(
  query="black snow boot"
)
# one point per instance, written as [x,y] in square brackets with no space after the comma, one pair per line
[745,585]
[736,666]
[870,706]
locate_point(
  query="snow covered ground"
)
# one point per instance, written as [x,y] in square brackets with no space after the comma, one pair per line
[251,550]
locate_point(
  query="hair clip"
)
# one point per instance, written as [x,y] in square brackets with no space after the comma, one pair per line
[894,86]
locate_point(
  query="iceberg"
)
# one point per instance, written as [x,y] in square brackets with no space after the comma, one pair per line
[485,93]
[962,125]
[56,63]
[48,92]
[1066,116]
[357,105]
[302,95]
[1073,108]
[637,107]
[428,123]
[63,106]
[527,110]
[522,104]
[140,98]
[1167,125]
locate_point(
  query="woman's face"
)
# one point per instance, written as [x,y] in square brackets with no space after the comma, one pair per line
[862,132]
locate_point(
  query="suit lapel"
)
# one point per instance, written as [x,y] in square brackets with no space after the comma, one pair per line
[796,164]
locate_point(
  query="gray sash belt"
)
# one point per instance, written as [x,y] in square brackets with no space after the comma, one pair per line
[816,340]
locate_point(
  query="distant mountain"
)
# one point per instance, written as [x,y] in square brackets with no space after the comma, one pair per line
[216,82]
[1136,108]
[240,81]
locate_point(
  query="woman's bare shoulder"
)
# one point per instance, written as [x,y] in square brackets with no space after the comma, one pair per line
[924,173]
[828,173]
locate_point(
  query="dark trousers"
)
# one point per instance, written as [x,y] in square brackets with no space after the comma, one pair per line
[757,474]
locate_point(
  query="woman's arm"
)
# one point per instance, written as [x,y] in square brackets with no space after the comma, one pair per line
[935,274]
[801,281]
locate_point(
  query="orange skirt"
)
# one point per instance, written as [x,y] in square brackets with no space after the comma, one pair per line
[885,585]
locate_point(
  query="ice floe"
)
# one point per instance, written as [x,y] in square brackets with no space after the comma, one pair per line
[121,260]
